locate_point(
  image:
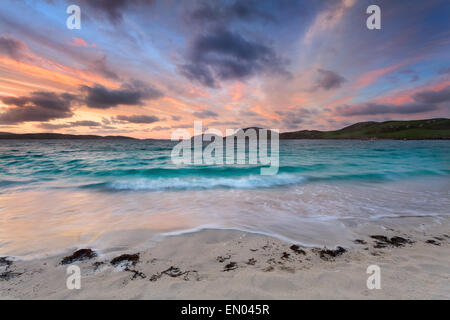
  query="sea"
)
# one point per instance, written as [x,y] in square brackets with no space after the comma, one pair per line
[113,195]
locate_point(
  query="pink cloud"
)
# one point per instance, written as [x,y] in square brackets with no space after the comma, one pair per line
[78,42]
[370,77]
[405,96]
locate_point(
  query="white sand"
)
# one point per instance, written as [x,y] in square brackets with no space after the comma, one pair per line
[417,271]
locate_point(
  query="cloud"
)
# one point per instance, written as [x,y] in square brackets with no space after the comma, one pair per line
[414,78]
[81,123]
[46,106]
[159,128]
[412,73]
[79,42]
[225,123]
[182,126]
[424,101]
[100,97]
[444,70]
[223,55]
[138,119]
[39,106]
[106,121]
[328,80]
[12,48]
[205,114]
[215,12]
[101,66]
[200,73]
[429,96]
[113,10]
[248,113]
[292,119]
[85,123]
[371,108]
[328,19]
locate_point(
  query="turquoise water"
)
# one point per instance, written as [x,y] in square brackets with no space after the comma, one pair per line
[147,165]
[56,195]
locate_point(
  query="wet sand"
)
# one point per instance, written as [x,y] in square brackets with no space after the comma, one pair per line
[226,264]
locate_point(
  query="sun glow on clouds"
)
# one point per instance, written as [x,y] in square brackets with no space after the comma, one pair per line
[78,42]
[229,64]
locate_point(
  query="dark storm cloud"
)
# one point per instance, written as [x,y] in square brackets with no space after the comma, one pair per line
[380,109]
[138,119]
[429,96]
[205,114]
[328,80]
[82,123]
[12,48]
[39,106]
[223,55]
[100,97]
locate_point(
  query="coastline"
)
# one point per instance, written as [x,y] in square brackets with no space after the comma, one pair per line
[227,264]
[426,129]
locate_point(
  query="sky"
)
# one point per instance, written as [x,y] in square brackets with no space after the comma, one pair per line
[144,68]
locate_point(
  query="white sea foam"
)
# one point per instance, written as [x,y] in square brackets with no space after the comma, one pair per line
[196,183]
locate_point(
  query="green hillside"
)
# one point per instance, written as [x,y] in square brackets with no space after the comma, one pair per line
[409,130]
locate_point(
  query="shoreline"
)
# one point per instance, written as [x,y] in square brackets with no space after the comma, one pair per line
[430,129]
[39,222]
[227,264]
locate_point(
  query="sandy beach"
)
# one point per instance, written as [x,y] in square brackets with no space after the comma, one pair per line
[414,259]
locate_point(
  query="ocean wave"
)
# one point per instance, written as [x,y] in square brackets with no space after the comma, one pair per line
[242,178]
[381,176]
[199,183]
[315,171]
[179,172]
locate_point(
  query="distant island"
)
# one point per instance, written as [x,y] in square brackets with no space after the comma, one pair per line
[428,129]
[55,136]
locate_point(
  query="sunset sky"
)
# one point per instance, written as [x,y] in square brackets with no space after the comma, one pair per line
[145,68]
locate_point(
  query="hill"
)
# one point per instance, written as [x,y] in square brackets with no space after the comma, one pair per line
[408,130]
[55,136]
